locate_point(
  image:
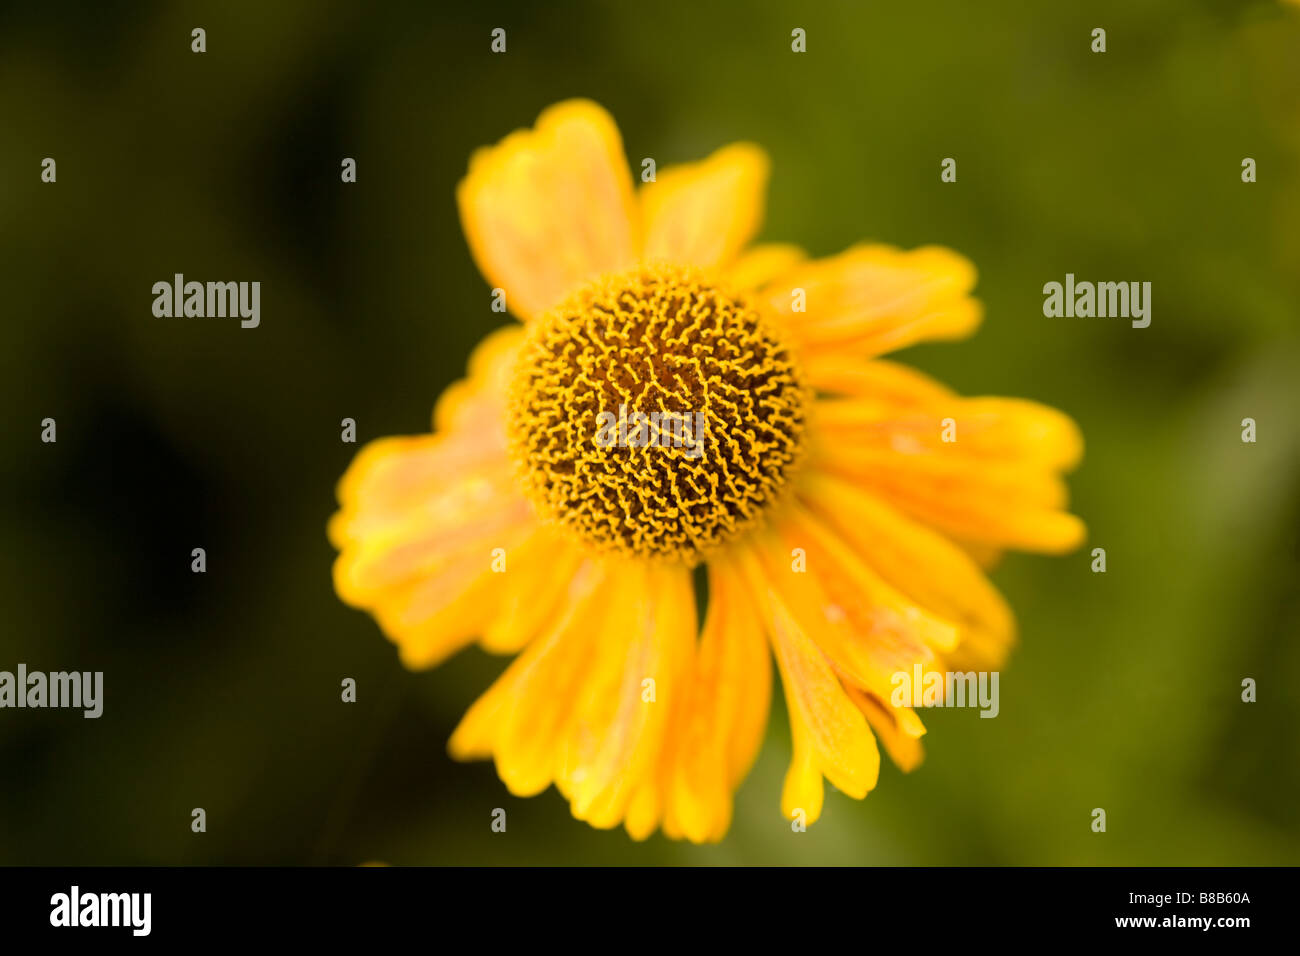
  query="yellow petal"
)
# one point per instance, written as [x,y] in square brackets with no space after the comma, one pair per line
[454,521]
[874,299]
[535,578]
[1004,506]
[984,470]
[536,708]
[638,673]
[920,563]
[420,519]
[866,630]
[704,213]
[725,714]
[994,431]
[549,208]
[900,738]
[644,810]
[830,734]
[476,735]
[417,547]
[392,480]
[985,555]
[892,384]
[803,791]
[762,264]
[446,605]
[900,632]
[468,405]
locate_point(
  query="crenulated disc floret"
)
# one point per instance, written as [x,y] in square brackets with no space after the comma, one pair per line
[654,415]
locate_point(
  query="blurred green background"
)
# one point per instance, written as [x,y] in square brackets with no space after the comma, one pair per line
[222,690]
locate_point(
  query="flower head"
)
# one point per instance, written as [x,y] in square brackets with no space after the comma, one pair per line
[677,397]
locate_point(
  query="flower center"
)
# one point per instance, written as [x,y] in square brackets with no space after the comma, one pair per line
[654,415]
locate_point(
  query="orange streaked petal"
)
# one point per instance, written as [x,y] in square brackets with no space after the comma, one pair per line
[420,518]
[392,480]
[441,608]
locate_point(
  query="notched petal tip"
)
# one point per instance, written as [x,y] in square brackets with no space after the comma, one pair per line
[551,207]
[704,213]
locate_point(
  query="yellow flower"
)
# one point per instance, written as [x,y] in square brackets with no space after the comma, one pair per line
[837,520]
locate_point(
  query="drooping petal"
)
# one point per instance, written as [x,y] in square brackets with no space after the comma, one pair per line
[535,579]
[900,736]
[702,214]
[549,208]
[524,718]
[920,563]
[896,626]
[874,299]
[866,629]
[638,675]
[725,712]
[830,734]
